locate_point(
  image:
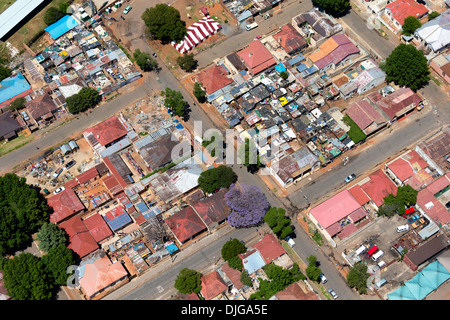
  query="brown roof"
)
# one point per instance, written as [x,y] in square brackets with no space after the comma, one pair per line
[446,69]
[214,78]
[185,224]
[212,285]
[87,175]
[290,39]
[421,254]
[269,248]
[294,292]
[8,124]
[212,209]
[64,205]
[40,106]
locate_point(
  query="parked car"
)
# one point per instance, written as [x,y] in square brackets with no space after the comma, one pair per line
[413,218]
[70,164]
[402,228]
[350,178]
[60,189]
[251,26]
[127,9]
[290,241]
[418,223]
[322,278]
[57,173]
[333,294]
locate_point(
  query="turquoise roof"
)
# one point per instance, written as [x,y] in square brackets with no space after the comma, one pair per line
[401,293]
[12,86]
[436,274]
[62,26]
[419,286]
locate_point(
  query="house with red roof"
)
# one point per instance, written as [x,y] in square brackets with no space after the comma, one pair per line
[397,11]
[185,224]
[428,200]
[290,39]
[256,57]
[87,176]
[269,248]
[212,210]
[213,286]
[105,133]
[114,187]
[337,217]
[64,204]
[378,187]
[98,276]
[409,168]
[367,116]
[294,292]
[98,228]
[213,78]
[80,239]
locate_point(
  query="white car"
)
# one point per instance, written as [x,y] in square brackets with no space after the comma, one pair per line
[60,189]
[322,278]
[333,293]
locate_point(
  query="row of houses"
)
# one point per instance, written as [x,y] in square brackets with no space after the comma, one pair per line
[78,56]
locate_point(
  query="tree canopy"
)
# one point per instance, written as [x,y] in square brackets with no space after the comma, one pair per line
[23,210]
[144,60]
[164,23]
[50,236]
[333,7]
[214,179]
[199,93]
[278,222]
[56,262]
[357,277]
[406,197]
[248,205]
[86,98]
[410,25]
[188,281]
[187,62]
[232,248]
[174,101]
[5,72]
[52,15]
[17,104]
[407,66]
[313,272]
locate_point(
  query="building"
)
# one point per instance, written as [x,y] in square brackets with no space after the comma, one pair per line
[429,200]
[12,88]
[426,251]
[98,276]
[61,27]
[436,150]
[269,248]
[294,292]
[80,240]
[213,210]
[397,11]
[9,126]
[185,224]
[41,108]
[441,64]
[435,34]
[213,286]
[334,52]
[64,204]
[366,116]
[213,78]
[378,186]
[290,39]
[105,133]
[98,228]
[256,57]
[15,14]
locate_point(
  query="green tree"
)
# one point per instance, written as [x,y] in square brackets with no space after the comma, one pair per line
[174,101]
[86,98]
[249,155]
[50,236]
[63,6]
[215,178]
[232,248]
[245,279]
[188,281]
[407,195]
[164,23]
[407,67]
[313,272]
[17,104]
[5,72]
[333,7]
[235,263]
[199,93]
[144,60]
[410,25]
[357,277]
[393,205]
[26,278]
[278,222]
[433,15]
[187,62]
[284,75]
[214,144]
[23,210]
[56,262]
[52,15]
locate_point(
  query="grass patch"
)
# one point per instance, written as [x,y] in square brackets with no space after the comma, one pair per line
[438,83]
[14,144]
[355,133]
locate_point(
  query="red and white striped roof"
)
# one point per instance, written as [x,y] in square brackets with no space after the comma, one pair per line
[196,33]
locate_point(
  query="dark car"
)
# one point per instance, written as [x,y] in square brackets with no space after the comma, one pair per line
[70,164]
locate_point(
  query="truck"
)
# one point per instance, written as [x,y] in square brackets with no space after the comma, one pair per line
[413,218]
[251,26]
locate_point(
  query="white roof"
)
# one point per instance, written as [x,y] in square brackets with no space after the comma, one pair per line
[15,13]
[436,33]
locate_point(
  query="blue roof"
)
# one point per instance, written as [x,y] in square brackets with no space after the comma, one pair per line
[253,262]
[62,26]
[12,86]
[172,248]
[280,67]
[296,59]
[118,222]
[302,67]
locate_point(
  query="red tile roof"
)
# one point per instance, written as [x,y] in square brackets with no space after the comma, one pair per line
[432,206]
[80,240]
[108,131]
[185,224]
[440,184]
[234,276]
[214,78]
[405,166]
[294,292]
[212,209]
[100,274]
[97,227]
[269,248]
[363,114]
[64,205]
[401,9]
[290,39]
[359,194]
[112,184]
[379,187]
[398,101]
[257,57]
[87,175]
[212,285]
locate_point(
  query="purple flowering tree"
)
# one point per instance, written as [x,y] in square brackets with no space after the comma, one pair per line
[248,205]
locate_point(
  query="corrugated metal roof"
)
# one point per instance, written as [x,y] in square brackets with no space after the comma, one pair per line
[15,13]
